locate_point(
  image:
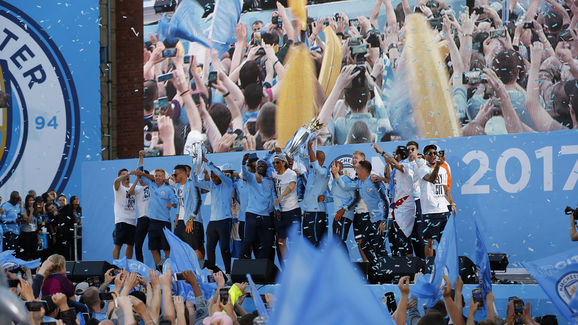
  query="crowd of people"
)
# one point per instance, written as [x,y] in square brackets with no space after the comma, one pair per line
[508,73]
[40,226]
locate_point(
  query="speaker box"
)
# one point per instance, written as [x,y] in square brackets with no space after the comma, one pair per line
[87,269]
[70,268]
[395,267]
[262,270]
[468,271]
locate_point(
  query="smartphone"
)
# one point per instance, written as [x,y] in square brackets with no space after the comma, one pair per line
[106,296]
[86,317]
[170,53]
[477,295]
[257,37]
[187,59]
[528,25]
[354,22]
[497,33]
[478,11]
[442,153]
[178,276]
[48,323]
[473,78]
[36,305]
[518,306]
[390,302]
[212,78]
[165,77]
[13,283]
[210,279]
[196,98]
[251,127]
[163,103]
[224,295]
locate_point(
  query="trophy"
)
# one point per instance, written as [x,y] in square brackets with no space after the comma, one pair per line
[195,147]
[301,136]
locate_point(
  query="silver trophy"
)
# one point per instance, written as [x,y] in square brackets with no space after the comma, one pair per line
[195,147]
[301,136]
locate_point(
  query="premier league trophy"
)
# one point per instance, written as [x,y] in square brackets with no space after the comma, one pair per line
[195,147]
[301,137]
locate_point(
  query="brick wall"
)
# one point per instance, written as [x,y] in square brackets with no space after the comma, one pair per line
[128,78]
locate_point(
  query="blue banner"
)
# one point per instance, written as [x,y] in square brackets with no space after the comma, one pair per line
[49,66]
[558,276]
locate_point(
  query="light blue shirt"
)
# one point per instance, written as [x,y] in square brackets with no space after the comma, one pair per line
[343,197]
[242,197]
[260,195]
[317,180]
[160,197]
[191,195]
[9,217]
[373,194]
[221,195]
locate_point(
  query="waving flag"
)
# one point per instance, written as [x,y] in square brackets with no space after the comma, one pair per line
[184,258]
[483,263]
[133,265]
[430,286]
[225,18]
[558,277]
[184,24]
[8,261]
[312,293]
[259,304]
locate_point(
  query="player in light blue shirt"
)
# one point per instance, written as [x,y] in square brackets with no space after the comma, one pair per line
[344,200]
[189,227]
[259,230]
[374,225]
[162,199]
[315,216]
[219,228]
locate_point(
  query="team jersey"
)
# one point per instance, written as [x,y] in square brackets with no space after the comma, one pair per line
[124,205]
[433,195]
[289,202]
[143,195]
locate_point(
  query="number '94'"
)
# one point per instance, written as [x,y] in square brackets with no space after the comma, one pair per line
[41,122]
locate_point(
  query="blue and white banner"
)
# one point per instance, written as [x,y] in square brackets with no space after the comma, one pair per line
[558,276]
[49,67]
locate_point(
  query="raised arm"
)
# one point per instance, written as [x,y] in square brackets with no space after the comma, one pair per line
[344,79]
[240,45]
[541,118]
[119,180]
[455,317]
[511,118]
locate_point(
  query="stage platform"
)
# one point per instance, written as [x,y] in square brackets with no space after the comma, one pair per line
[532,293]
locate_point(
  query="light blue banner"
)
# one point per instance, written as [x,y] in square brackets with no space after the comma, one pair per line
[49,62]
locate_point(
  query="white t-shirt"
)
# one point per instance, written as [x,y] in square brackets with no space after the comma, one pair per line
[181,196]
[433,196]
[124,206]
[415,165]
[403,182]
[143,195]
[290,201]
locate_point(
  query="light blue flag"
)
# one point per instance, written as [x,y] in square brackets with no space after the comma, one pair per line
[184,258]
[558,277]
[483,263]
[430,286]
[184,24]
[259,304]
[310,292]
[133,265]
[225,18]
[8,261]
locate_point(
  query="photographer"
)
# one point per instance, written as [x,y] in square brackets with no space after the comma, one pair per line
[573,232]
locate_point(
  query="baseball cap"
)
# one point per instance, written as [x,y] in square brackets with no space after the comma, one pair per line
[281,157]
[81,288]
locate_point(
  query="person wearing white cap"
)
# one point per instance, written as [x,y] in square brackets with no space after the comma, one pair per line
[219,228]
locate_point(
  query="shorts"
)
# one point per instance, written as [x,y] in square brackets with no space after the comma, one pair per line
[434,224]
[361,222]
[123,234]
[288,218]
[157,239]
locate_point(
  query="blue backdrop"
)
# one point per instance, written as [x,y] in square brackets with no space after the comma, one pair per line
[517,186]
[49,61]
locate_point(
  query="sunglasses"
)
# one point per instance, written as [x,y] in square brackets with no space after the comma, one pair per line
[431,153]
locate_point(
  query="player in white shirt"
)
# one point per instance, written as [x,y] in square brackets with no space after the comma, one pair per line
[124,214]
[287,209]
[142,195]
[415,163]
[434,197]
[403,213]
